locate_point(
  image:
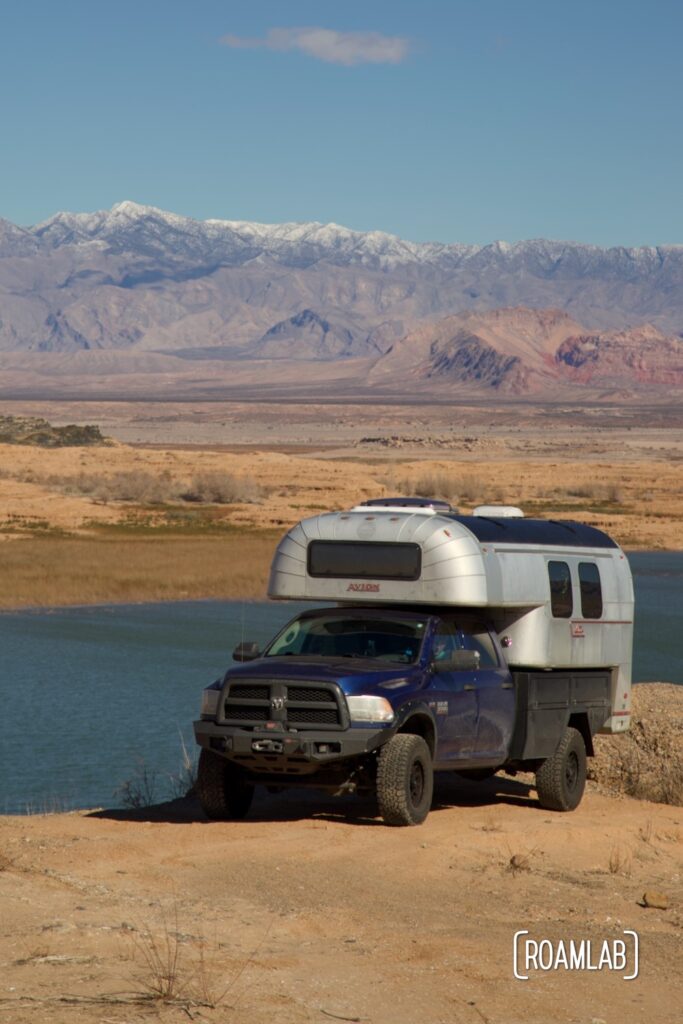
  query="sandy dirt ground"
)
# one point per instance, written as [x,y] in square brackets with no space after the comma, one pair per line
[312,910]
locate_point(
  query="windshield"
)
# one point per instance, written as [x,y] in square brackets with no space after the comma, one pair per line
[343,634]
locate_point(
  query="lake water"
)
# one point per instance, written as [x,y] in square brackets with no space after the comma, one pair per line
[89,694]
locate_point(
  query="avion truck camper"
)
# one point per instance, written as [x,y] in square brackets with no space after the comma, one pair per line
[447,642]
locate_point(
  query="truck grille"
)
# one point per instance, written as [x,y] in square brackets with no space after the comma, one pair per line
[297,705]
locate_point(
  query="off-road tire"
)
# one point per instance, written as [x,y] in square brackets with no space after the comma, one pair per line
[222,790]
[405,780]
[561,779]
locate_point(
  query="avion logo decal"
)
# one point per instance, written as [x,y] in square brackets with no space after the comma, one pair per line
[364,588]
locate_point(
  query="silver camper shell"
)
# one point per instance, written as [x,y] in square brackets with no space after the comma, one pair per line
[499,561]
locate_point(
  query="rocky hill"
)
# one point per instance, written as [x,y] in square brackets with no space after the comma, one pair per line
[33,430]
[527,351]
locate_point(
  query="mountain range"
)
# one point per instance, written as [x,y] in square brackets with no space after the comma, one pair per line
[138,291]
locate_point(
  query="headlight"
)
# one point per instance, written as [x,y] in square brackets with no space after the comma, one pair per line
[370,709]
[210,699]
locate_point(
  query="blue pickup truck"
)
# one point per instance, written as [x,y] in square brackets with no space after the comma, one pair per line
[376,692]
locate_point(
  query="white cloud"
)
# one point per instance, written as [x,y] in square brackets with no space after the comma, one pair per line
[327,44]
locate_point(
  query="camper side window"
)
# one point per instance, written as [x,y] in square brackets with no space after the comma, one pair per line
[591,591]
[561,602]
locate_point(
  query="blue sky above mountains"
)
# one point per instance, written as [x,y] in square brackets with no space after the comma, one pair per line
[452,120]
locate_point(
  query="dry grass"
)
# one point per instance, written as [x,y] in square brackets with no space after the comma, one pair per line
[172,966]
[142,486]
[620,861]
[53,570]
[449,486]
[146,487]
[595,490]
[144,787]
[205,497]
[220,488]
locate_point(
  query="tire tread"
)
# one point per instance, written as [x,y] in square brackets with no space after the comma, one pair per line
[223,794]
[550,786]
[393,768]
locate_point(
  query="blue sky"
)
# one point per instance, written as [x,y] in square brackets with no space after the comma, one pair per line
[453,120]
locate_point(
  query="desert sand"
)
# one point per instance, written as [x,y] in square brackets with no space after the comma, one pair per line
[312,910]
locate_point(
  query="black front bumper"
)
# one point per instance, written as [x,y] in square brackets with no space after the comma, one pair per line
[283,752]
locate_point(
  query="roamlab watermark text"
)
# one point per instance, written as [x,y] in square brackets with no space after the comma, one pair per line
[539,955]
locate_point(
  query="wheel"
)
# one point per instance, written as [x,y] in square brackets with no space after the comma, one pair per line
[477,774]
[405,780]
[221,788]
[561,779]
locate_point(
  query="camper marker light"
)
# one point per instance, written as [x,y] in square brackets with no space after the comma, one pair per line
[210,699]
[370,709]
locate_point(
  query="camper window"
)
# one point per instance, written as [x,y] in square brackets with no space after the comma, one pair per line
[561,602]
[375,560]
[591,591]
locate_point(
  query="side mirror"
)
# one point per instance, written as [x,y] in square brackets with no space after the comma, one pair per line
[458,661]
[248,650]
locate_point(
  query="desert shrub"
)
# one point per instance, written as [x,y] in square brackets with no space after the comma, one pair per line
[138,485]
[220,488]
[148,488]
[429,485]
[596,491]
[127,485]
[140,789]
[453,487]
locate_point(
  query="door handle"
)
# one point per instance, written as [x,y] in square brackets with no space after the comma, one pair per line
[507,686]
[469,686]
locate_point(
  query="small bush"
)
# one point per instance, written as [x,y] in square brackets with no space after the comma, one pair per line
[597,491]
[147,488]
[220,488]
[137,485]
[140,789]
[468,487]
[129,485]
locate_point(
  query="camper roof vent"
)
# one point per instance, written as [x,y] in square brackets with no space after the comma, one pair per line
[499,511]
[414,504]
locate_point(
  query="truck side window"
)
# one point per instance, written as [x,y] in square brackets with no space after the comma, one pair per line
[445,641]
[477,638]
[591,590]
[561,601]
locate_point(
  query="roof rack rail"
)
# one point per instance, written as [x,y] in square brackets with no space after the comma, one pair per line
[416,502]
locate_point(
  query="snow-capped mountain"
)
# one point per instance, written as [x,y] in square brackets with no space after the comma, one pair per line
[132,227]
[147,229]
[144,281]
